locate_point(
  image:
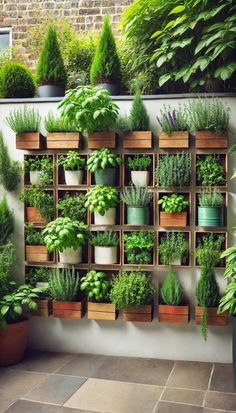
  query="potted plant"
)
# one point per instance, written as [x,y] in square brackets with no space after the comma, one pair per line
[137,199]
[172,310]
[10,170]
[73,207]
[25,123]
[66,237]
[40,169]
[210,121]
[138,247]
[209,245]
[174,170]
[61,133]
[139,166]
[93,111]
[16,80]
[35,250]
[103,163]
[39,205]
[210,171]
[173,212]
[105,247]
[139,136]
[65,291]
[133,292]
[210,209]
[14,325]
[51,74]
[102,202]
[97,287]
[39,277]
[105,69]
[174,124]
[173,248]
[73,165]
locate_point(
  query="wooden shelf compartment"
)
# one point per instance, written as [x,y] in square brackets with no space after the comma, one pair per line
[192,167]
[199,234]
[127,172]
[211,228]
[187,234]
[187,196]
[124,258]
[60,175]
[223,161]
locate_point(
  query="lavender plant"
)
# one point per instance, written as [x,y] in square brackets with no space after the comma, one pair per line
[172,120]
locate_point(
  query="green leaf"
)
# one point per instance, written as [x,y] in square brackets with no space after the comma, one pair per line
[156,34]
[177,9]
[164,78]
[4,309]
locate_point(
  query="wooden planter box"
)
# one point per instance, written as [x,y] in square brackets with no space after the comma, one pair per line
[213,318]
[98,140]
[63,140]
[33,216]
[137,140]
[176,139]
[143,314]
[102,311]
[68,309]
[29,140]
[36,253]
[173,314]
[176,219]
[210,139]
[44,308]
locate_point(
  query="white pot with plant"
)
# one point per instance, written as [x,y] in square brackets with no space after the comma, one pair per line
[105,247]
[139,165]
[102,200]
[67,237]
[173,248]
[73,165]
[40,169]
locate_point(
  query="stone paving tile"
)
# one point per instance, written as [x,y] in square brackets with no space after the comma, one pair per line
[222,378]
[205,410]
[222,401]
[190,375]
[115,397]
[194,397]
[55,389]
[166,407]
[23,406]
[85,365]
[45,362]
[69,410]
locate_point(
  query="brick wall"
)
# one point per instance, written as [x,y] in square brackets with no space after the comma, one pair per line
[84,14]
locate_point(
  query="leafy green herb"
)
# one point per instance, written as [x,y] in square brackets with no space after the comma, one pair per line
[72,161]
[209,170]
[54,123]
[173,203]
[73,207]
[211,198]
[101,198]
[173,246]
[138,246]
[104,239]
[173,170]
[33,196]
[139,162]
[96,285]
[136,196]
[24,119]
[102,159]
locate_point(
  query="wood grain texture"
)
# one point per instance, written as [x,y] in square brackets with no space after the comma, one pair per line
[142,314]
[210,139]
[175,219]
[97,140]
[137,139]
[213,318]
[173,314]
[29,140]
[63,140]
[68,309]
[33,216]
[36,253]
[44,308]
[174,140]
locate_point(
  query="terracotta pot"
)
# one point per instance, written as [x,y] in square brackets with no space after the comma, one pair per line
[173,314]
[29,140]
[33,216]
[213,318]
[142,314]
[210,139]
[102,311]
[13,341]
[36,253]
[68,309]
[98,140]
[63,140]
[175,219]
[137,139]
[176,139]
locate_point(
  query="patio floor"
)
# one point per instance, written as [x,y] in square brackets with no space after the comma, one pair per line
[84,383]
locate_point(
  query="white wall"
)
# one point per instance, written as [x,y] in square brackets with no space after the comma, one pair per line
[118,338]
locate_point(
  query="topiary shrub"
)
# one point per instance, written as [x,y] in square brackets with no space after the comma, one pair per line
[16,81]
[50,68]
[171,290]
[138,115]
[106,64]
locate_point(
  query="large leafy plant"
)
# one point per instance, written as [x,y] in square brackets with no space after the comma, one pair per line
[228,301]
[101,198]
[96,285]
[72,161]
[90,108]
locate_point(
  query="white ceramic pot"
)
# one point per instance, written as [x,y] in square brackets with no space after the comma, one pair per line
[71,256]
[108,219]
[73,177]
[175,262]
[35,177]
[105,255]
[140,178]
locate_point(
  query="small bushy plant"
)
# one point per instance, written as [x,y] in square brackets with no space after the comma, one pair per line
[209,170]
[72,161]
[57,123]
[139,162]
[105,239]
[211,198]
[35,197]
[50,68]
[171,290]
[96,285]
[103,158]
[33,236]
[64,284]
[73,207]
[6,222]
[132,289]
[173,170]
[123,124]
[208,251]
[138,246]
[10,170]
[101,198]
[24,119]
[43,164]
[138,115]
[105,67]
[38,275]
[172,120]
[173,246]
[16,81]
[7,259]
[173,203]
[208,114]
[136,196]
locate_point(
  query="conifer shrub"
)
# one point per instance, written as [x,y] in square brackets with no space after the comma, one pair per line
[6,222]
[10,170]
[50,68]
[16,81]
[171,290]
[106,64]
[139,117]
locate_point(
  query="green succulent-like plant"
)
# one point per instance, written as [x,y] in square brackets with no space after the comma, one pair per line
[139,162]
[171,290]
[72,161]
[96,285]
[101,198]
[136,196]
[138,246]
[64,284]
[173,203]
[16,81]
[104,239]
[102,159]
[35,197]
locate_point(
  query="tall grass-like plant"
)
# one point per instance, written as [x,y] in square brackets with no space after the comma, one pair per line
[16,81]
[64,284]
[136,196]
[138,116]
[172,120]
[205,114]
[54,123]
[171,290]
[50,68]
[6,222]
[173,170]
[24,119]
[211,198]
[106,64]
[10,170]
[104,239]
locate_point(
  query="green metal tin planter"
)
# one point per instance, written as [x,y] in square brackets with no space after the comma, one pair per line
[137,215]
[105,177]
[210,216]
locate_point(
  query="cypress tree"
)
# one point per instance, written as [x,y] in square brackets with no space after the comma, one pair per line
[138,115]
[171,290]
